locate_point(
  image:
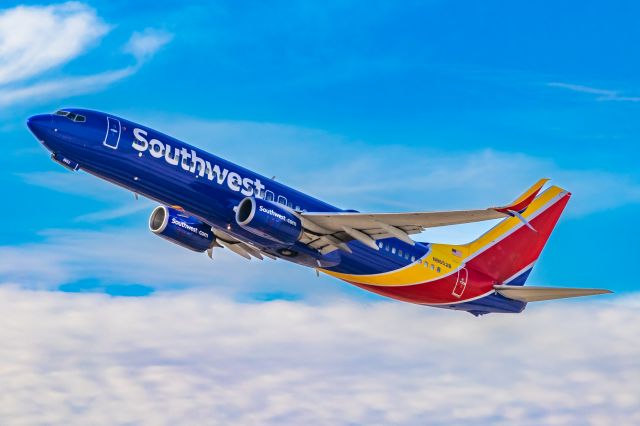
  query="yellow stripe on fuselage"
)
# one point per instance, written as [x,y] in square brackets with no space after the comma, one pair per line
[442,255]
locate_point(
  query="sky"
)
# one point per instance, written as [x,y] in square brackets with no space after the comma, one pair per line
[375,106]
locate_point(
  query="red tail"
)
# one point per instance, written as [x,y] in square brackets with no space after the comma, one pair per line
[508,251]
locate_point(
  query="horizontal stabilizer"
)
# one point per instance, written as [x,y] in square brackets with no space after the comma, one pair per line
[536,294]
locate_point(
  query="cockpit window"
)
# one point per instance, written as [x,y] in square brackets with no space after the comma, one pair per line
[72,116]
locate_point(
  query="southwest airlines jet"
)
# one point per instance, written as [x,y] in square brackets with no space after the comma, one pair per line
[207,202]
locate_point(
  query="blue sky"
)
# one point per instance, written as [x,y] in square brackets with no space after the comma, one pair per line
[374,106]
[545,90]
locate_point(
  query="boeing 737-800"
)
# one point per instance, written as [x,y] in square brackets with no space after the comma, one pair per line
[207,203]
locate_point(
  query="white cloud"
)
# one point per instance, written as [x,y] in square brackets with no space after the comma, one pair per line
[142,205]
[64,87]
[34,39]
[602,94]
[116,255]
[197,358]
[143,45]
[37,39]
[82,184]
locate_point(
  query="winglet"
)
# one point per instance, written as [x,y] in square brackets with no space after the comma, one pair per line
[517,207]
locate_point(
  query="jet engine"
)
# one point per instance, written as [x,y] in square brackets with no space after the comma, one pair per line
[269,220]
[180,228]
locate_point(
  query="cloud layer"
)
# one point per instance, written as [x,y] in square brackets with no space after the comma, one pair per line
[96,259]
[35,40]
[64,87]
[193,357]
[142,45]
[601,94]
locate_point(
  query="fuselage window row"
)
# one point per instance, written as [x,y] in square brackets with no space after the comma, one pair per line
[399,252]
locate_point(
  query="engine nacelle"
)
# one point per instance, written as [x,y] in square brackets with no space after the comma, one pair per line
[268,220]
[180,228]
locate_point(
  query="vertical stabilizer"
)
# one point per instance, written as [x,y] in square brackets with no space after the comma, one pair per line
[507,252]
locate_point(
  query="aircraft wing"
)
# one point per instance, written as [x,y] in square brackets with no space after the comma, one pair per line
[333,229]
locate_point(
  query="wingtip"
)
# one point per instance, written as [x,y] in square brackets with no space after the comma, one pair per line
[521,203]
[597,291]
[536,188]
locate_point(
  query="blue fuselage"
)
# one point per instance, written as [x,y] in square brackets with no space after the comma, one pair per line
[174,173]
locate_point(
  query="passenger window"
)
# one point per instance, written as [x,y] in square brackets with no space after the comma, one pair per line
[380,244]
[406,256]
[393,250]
[400,253]
[386,247]
[432,267]
[269,196]
[413,258]
[438,270]
[426,264]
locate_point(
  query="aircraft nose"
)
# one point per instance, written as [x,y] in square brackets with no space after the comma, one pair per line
[40,124]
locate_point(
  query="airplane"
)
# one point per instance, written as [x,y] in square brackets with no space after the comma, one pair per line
[209,203]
